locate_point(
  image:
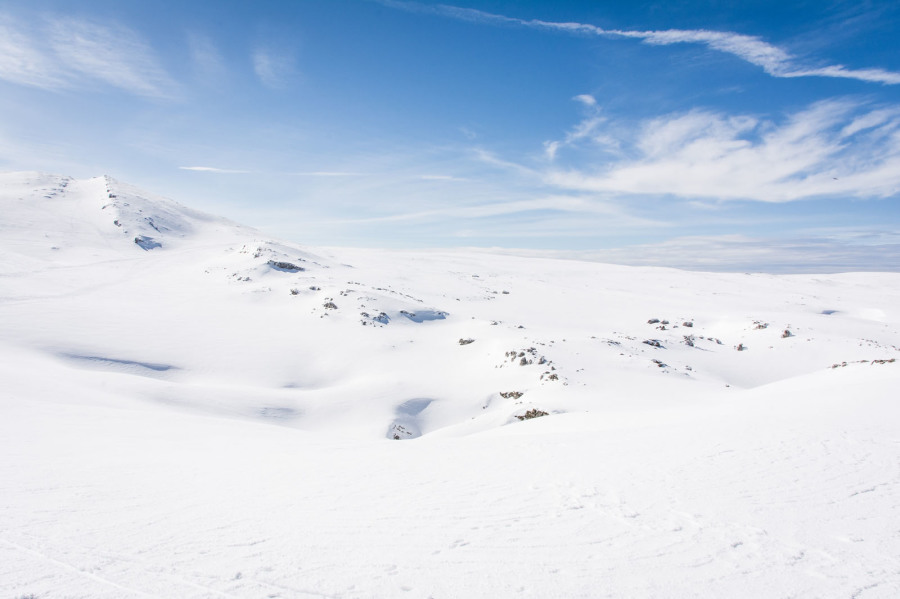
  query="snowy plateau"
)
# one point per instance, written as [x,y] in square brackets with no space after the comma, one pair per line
[191,409]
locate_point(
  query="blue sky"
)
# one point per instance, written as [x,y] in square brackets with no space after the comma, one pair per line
[722,135]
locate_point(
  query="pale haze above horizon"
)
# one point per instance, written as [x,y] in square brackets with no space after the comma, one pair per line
[758,136]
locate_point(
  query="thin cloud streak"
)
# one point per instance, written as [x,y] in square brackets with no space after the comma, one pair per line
[772,59]
[441,178]
[549,204]
[327,174]
[211,169]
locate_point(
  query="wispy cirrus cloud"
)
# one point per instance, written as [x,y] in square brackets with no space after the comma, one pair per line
[773,60]
[113,54]
[830,149]
[62,52]
[23,62]
[587,129]
[206,58]
[273,68]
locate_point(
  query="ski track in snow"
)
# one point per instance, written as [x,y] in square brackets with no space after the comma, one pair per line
[212,414]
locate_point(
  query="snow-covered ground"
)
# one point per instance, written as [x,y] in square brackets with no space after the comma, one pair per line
[190,409]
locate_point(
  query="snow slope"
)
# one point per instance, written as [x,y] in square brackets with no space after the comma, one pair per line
[190,409]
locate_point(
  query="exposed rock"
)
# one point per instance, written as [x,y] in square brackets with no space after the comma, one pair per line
[285,266]
[654,343]
[466,341]
[533,413]
[146,243]
[330,306]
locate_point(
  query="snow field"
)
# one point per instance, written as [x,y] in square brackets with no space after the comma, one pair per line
[191,419]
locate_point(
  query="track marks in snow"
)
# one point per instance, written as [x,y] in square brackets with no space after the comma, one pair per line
[78,571]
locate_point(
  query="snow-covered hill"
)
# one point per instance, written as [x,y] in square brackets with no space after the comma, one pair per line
[191,409]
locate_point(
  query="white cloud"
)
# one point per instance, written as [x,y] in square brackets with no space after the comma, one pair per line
[489,158]
[211,169]
[63,52]
[274,69]
[773,60]
[830,149]
[328,174]
[440,178]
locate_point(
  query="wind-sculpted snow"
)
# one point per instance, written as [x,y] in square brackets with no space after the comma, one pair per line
[222,414]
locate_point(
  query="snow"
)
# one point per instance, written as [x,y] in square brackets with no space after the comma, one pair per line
[191,420]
